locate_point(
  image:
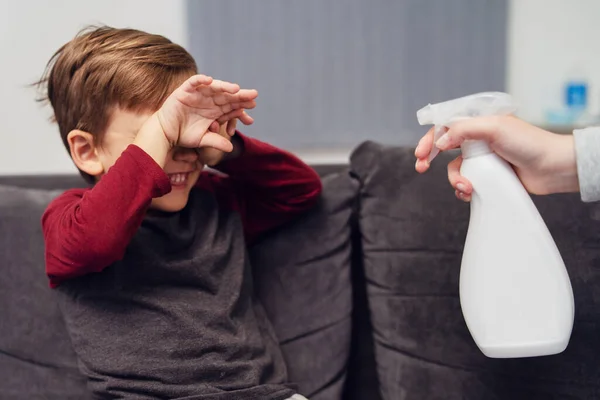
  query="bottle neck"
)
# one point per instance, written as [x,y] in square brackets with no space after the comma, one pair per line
[474,148]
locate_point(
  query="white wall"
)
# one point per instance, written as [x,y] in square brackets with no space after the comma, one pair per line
[30,32]
[549,40]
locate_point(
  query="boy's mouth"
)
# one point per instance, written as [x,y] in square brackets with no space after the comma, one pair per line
[179,179]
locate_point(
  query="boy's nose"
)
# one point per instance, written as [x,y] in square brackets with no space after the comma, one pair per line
[185,154]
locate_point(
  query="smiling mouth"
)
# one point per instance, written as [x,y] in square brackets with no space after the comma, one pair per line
[179,179]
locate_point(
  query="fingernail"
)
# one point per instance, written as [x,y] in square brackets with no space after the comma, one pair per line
[443,142]
[420,161]
[461,187]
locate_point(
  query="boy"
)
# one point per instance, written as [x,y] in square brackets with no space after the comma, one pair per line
[150,263]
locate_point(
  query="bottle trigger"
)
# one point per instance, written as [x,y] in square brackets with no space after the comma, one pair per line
[438,132]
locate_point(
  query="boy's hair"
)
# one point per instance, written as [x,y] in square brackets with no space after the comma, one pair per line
[104,68]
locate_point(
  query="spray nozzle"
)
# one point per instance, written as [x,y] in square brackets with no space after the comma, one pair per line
[479,104]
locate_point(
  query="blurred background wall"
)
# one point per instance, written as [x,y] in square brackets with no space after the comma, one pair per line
[330,73]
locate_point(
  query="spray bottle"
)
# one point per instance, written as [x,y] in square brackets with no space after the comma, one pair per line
[515,292]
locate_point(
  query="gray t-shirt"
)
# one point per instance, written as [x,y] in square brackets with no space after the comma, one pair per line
[176,317]
[587,150]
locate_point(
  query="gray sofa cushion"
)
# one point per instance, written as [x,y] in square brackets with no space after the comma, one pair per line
[303,279]
[36,358]
[413,232]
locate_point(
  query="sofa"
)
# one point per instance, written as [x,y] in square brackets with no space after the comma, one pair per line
[362,292]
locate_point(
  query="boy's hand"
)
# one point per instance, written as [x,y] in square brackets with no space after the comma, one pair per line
[197,105]
[211,156]
[545,162]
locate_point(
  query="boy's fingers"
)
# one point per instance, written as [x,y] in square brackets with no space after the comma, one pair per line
[217,88]
[231,115]
[228,107]
[231,125]
[243,96]
[200,79]
[214,127]
[196,81]
[214,140]
[222,86]
[239,114]
[246,94]
[457,181]
[246,119]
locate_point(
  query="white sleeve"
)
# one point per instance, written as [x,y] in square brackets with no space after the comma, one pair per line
[587,150]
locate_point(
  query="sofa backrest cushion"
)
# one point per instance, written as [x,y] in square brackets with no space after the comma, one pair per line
[303,278]
[36,357]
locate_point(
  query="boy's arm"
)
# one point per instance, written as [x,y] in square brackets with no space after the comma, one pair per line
[87,230]
[266,185]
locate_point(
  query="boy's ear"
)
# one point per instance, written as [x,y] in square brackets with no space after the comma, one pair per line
[84,152]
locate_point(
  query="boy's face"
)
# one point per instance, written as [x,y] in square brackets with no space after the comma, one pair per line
[182,166]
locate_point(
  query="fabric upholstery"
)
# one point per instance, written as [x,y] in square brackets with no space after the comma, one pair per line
[36,357]
[303,278]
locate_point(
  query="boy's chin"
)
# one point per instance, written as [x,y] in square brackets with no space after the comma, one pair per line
[172,202]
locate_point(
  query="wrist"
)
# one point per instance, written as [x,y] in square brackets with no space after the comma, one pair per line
[152,139]
[561,170]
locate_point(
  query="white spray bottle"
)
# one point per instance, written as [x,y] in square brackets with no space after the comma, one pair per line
[515,292]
